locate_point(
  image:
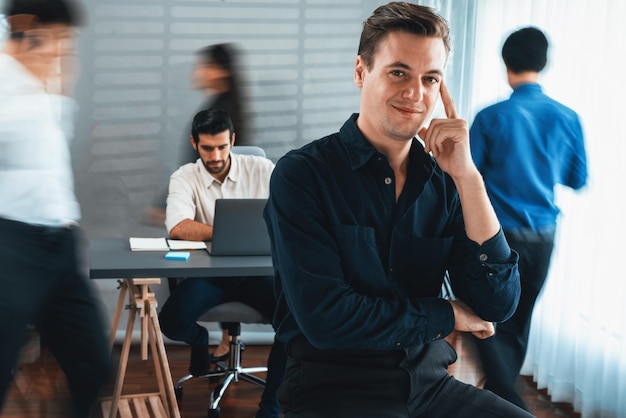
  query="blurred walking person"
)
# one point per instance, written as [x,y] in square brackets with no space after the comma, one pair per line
[42,276]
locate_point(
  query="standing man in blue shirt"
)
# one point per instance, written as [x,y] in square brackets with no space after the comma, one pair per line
[365,222]
[524,147]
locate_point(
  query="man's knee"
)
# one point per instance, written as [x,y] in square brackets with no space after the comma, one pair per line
[170,325]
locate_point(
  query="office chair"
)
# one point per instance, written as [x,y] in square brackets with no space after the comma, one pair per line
[249,150]
[233,313]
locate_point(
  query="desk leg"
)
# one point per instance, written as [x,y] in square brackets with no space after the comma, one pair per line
[142,303]
[145,319]
[162,367]
[118,312]
[121,371]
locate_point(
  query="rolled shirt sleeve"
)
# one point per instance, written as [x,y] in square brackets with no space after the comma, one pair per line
[488,280]
[180,201]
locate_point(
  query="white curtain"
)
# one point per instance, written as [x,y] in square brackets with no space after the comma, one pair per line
[578,338]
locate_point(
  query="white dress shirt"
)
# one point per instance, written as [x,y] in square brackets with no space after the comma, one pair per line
[36,179]
[193,191]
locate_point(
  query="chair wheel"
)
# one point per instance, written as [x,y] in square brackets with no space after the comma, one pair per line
[214,413]
[178,392]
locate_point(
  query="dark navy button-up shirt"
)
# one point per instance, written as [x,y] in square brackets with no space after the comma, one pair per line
[356,269]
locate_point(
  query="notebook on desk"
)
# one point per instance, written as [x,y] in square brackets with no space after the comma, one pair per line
[239,228]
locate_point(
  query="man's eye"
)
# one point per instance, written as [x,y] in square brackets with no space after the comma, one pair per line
[397,73]
[431,80]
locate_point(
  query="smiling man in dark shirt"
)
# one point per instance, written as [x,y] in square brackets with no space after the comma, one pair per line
[365,223]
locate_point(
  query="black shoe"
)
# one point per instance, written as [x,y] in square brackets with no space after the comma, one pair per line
[224,357]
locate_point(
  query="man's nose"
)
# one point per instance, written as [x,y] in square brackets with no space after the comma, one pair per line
[414,92]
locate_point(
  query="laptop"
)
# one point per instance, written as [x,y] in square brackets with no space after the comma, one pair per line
[239,228]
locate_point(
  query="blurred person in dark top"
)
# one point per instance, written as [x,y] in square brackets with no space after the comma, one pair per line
[216,72]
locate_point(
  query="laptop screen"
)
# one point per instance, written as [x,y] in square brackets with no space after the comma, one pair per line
[239,228]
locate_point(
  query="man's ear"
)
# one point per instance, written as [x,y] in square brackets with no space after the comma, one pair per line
[193,142]
[359,71]
[232,140]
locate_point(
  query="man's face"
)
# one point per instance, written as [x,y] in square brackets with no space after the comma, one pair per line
[51,41]
[400,89]
[214,152]
[44,46]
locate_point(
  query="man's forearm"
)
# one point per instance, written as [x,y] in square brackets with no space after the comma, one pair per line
[481,222]
[192,231]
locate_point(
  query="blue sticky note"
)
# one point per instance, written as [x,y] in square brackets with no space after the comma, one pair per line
[178,255]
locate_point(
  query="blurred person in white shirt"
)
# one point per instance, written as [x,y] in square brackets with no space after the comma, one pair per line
[43,277]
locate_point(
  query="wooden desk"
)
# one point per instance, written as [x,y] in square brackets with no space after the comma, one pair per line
[111,258]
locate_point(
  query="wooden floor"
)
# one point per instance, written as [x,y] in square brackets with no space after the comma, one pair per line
[40,390]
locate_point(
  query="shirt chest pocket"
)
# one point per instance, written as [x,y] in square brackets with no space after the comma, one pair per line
[362,268]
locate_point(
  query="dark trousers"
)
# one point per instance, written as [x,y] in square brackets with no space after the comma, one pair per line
[408,383]
[44,283]
[503,354]
[192,297]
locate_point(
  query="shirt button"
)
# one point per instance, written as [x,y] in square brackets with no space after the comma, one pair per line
[438,336]
[483,257]
[387,180]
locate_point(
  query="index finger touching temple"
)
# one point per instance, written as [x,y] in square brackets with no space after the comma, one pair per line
[448,103]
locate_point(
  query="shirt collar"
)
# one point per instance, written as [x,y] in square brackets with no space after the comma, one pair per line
[527,88]
[357,146]
[360,151]
[235,168]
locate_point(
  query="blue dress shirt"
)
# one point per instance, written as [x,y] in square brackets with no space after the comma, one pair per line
[523,147]
[355,269]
